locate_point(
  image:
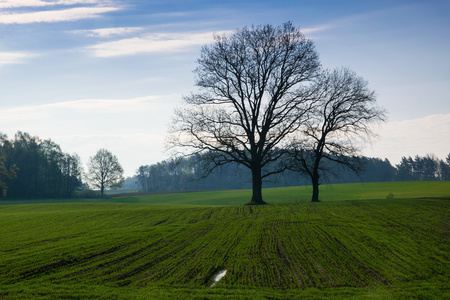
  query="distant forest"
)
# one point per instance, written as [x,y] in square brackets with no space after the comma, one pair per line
[34,168]
[184,174]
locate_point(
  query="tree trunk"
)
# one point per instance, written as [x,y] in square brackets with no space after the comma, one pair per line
[102,188]
[257,187]
[315,184]
[315,172]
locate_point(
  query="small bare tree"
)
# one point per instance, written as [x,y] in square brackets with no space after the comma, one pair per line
[251,99]
[338,126]
[104,171]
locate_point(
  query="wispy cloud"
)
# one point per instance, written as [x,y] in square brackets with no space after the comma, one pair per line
[316,29]
[109,105]
[152,43]
[70,14]
[40,3]
[97,106]
[359,19]
[109,32]
[156,42]
[13,57]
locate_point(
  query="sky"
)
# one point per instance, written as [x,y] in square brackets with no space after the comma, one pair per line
[93,74]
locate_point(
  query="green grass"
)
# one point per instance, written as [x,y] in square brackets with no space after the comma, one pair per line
[291,195]
[338,192]
[355,245]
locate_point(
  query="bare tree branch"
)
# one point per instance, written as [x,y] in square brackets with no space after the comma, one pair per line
[344,110]
[249,104]
[104,171]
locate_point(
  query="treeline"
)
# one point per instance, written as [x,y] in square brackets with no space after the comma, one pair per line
[428,168]
[186,174]
[35,168]
[31,167]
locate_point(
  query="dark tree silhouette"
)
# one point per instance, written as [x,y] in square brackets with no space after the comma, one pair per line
[427,168]
[251,99]
[446,168]
[337,126]
[40,166]
[104,171]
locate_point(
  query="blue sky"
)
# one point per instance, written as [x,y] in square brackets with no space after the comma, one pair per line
[93,74]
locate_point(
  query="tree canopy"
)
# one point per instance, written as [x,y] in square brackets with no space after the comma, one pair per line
[37,168]
[252,98]
[105,171]
[338,124]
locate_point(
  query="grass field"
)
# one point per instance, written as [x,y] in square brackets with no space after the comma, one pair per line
[291,195]
[354,244]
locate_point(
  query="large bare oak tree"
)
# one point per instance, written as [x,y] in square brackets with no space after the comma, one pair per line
[338,126]
[251,99]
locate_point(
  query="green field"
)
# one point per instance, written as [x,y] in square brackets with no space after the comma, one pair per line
[354,244]
[292,195]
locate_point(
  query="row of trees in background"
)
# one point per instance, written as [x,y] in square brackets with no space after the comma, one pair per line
[38,168]
[427,168]
[34,168]
[31,167]
[186,174]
